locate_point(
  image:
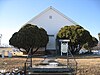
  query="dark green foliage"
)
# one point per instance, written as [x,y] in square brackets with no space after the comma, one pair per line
[78,37]
[91,44]
[29,37]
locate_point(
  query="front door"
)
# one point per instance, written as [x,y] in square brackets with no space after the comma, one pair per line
[51,44]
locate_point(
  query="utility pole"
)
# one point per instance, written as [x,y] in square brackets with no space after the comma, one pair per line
[0,38]
[99,36]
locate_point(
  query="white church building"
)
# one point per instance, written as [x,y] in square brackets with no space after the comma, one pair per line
[52,21]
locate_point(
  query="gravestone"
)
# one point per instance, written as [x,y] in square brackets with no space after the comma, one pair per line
[3,53]
[9,54]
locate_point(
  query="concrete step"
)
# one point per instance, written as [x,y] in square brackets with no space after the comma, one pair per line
[50,69]
[57,73]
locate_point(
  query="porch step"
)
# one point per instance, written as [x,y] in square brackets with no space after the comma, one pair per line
[54,70]
[57,73]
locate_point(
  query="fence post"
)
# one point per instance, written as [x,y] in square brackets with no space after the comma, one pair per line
[25,68]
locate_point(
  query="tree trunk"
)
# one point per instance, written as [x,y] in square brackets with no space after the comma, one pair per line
[31,57]
[35,50]
[90,51]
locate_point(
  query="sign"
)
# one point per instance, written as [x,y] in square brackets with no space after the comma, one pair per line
[64,47]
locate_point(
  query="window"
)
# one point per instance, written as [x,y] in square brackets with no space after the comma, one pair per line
[50,17]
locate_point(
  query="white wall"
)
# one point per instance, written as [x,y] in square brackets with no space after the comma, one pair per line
[52,26]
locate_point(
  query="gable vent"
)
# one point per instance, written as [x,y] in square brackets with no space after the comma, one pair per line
[50,17]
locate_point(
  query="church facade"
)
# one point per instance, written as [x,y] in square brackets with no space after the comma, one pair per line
[52,21]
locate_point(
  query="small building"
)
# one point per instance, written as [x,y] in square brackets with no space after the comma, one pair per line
[5,50]
[52,21]
[10,51]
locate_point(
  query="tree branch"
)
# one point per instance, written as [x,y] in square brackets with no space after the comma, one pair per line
[35,50]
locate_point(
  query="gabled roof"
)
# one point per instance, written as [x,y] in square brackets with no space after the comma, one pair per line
[52,8]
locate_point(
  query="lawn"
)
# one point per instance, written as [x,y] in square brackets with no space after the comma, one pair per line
[86,65]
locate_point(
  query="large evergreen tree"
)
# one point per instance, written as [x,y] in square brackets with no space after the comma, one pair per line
[78,37]
[29,37]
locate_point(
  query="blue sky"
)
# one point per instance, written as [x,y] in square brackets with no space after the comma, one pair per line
[15,13]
